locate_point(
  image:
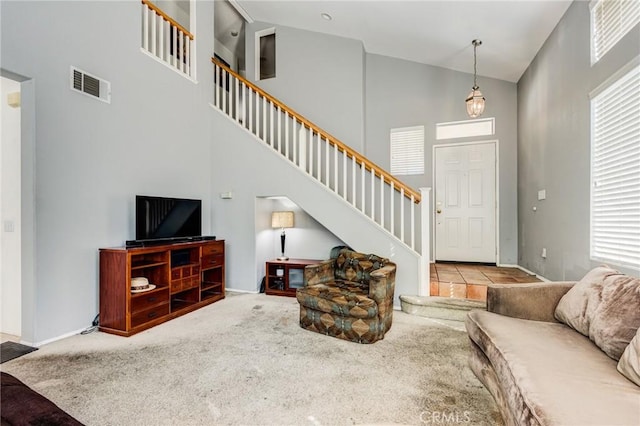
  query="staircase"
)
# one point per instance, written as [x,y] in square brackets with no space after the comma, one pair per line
[369,192]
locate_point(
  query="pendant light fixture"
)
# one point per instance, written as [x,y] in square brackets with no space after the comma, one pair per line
[475,100]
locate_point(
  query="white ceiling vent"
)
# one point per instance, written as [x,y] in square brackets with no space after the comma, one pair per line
[90,85]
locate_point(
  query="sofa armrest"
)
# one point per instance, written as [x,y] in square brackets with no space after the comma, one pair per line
[319,273]
[535,301]
[382,283]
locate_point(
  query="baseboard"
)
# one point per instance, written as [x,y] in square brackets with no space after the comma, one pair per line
[540,277]
[53,339]
[241,291]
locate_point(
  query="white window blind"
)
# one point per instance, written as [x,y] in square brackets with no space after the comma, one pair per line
[407,151]
[615,172]
[610,21]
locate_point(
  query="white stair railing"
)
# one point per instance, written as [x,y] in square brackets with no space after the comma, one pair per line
[367,187]
[166,40]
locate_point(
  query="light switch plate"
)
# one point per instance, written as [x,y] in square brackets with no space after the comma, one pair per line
[542,194]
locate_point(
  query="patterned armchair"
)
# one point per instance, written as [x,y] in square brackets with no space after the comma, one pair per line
[349,297]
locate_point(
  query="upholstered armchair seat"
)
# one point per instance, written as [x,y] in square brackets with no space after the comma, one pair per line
[342,298]
[349,297]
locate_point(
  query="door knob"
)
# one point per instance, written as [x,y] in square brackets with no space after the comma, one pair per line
[439,211]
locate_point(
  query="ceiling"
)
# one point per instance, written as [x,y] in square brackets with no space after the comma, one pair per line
[431,32]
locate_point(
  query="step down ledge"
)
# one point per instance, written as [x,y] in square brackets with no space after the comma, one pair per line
[439,307]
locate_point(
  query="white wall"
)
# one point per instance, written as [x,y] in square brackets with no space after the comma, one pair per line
[178,10]
[554,145]
[10,212]
[86,160]
[226,54]
[308,239]
[159,136]
[267,173]
[421,94]
[313,70]
[320,76]
[92,158]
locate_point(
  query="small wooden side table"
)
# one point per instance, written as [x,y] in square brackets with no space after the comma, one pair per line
[285,276]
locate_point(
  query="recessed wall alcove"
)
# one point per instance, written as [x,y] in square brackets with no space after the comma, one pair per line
[308,239]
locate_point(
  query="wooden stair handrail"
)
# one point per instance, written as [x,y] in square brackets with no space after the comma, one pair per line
[167,18]
[348,151]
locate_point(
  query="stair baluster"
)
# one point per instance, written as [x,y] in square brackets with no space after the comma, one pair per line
[329,165]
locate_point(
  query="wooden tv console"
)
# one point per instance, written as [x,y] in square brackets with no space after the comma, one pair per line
[187,276]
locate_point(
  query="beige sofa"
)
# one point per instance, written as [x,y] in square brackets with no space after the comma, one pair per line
[530,350]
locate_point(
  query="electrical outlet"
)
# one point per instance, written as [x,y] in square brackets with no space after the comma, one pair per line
[544,253]
[9,226]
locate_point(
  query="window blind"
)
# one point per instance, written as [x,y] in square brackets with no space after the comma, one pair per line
[610,21]
[407,151]
[615,172]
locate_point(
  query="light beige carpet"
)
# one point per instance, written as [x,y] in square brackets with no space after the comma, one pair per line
[245,360]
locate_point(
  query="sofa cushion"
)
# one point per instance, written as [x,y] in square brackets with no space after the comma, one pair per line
[357,267]
[617,317]
[577,307]
[340,297]
[629,364]
[553,375]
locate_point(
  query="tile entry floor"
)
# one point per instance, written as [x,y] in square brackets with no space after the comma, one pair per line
[9,338]
[470,280]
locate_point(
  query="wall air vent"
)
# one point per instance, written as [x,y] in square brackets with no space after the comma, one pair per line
[90,85]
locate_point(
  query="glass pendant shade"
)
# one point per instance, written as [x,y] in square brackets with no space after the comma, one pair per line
[475,103]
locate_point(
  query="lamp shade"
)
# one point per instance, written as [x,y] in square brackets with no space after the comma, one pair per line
[282,220]
[475,103]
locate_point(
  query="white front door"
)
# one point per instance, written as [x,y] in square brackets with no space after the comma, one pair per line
[465,202]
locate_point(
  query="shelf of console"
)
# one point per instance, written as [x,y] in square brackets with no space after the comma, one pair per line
[180,273]
[157,321]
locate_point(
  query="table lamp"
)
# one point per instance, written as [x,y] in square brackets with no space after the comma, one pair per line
[282,220]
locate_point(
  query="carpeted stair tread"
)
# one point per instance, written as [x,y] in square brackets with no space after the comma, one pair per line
[448,302]
[439,307]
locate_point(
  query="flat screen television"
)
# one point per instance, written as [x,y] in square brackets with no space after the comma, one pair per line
[162,218]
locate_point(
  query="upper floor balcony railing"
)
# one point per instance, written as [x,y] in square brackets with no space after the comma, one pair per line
[166,40]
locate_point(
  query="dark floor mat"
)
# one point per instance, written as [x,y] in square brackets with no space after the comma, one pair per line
[12,350]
